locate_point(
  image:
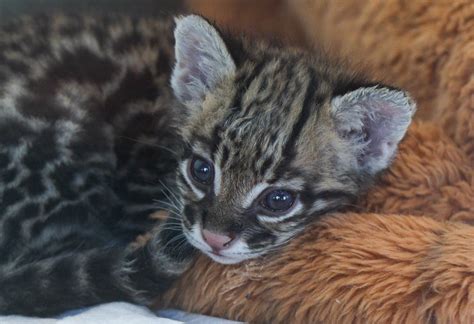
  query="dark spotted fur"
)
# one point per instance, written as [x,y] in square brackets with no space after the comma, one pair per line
[87,145]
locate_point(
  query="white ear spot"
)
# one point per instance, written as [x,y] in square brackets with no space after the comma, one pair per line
[202,59]
[373,120]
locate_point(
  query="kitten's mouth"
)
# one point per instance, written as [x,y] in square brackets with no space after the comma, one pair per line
[217,256]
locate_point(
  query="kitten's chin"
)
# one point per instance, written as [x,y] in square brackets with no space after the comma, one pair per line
[224,259]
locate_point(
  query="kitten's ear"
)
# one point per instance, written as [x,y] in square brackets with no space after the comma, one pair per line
[373,120]
[202,59]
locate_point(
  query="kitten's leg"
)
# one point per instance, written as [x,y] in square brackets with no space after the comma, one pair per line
[161,260]
[54,285]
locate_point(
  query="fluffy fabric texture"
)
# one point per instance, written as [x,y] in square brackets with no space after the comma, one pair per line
[267,18]
[361,268]
[426,47]
[405,253]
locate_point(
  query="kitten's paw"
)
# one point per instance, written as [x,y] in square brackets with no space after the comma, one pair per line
[163,258]
[170,248]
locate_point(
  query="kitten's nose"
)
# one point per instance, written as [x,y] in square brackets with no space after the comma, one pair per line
[217,241]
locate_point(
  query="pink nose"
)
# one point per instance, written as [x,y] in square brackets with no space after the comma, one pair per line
[217,241]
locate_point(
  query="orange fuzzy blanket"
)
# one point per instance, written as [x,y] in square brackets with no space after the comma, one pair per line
[406,251]
[424,46]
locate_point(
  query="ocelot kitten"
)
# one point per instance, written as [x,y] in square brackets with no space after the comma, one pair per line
[244,143]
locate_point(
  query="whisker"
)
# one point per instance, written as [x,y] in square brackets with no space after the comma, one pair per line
[136,140]
[167,204]
[172,214]
[180,236]
[175,199]
[181,245]
[176,228]
[170,203]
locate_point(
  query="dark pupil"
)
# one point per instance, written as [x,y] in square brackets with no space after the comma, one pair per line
[279,200]
[201,171]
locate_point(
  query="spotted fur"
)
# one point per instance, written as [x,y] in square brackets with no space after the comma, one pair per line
[100,116]
[88,148]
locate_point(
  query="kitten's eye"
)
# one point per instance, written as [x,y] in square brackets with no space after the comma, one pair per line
[201,170]
[278,200]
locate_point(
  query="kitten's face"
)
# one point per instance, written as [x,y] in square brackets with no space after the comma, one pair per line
[273,142]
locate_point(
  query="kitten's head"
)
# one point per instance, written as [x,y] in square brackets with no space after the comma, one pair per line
[276,137]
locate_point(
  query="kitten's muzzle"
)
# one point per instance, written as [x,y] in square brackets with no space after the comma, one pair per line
[216,241]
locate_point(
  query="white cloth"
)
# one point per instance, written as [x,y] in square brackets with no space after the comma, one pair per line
[113,313]
[116,313]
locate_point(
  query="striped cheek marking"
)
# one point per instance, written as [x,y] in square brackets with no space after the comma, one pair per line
[319,205]
[276,219]
[184,171]
[217,180]
[254,193]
